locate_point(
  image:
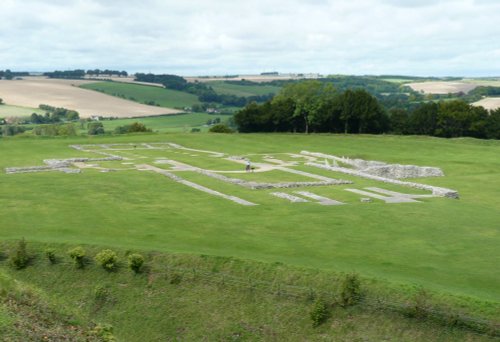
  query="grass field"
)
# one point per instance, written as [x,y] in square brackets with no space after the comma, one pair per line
[449,246]
[17,111]
[142,93]
[168,123]
[222,87]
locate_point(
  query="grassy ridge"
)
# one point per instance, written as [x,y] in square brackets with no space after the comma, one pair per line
[446,245]
[142,93]
[191,297]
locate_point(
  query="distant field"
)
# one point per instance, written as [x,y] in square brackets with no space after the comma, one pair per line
[442,87]
[222,87]
[141,93]
[33,91]
[8,110]
[489,103]
[446,245]
[168,123]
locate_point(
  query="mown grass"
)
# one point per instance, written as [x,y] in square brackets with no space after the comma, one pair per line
[197,297]
[221,87]
[144,94]
[449,246]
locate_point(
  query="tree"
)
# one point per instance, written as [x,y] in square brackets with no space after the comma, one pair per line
[95,128]
[399,121]
[492,129]
[423,120]
[1,101]
[307,97]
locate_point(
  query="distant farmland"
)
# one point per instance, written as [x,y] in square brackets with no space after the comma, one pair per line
[166,98]
[222,87]
[31,92]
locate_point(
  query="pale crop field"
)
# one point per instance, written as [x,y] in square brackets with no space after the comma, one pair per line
[33,91]
[442,87]
[489,103]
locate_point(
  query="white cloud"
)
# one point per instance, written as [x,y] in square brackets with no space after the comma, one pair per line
[218,37]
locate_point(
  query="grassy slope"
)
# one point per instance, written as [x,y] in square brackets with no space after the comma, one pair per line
[222,87]
[446,245]
[214,308]
[143,93]
[26,314]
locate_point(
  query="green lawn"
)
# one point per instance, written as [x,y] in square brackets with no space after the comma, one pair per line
[144,93]
[449,246]
[221,87]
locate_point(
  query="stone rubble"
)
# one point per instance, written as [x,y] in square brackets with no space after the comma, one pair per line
[378,168]
[436,191]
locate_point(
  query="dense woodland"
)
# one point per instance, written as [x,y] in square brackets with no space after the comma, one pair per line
[314,106]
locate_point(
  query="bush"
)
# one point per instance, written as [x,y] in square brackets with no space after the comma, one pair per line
[195,130]
[50,253]
[350,290]
[95,128]
[319,312]
[135,262]
[107,259]
[104,332]
[21,258]
[220,128]
[78,256]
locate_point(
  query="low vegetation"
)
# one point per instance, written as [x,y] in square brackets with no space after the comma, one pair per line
[244,299]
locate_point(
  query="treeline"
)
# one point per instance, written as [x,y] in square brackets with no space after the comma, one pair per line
[80,73]
[448,119]
[314,106]
[204,92]
[53,115]
[8,75]
[107,72]
[67,74]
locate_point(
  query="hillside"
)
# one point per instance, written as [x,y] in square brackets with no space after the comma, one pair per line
[135,203]
[31,92]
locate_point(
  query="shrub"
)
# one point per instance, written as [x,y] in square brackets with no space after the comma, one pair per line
[135,262]
[50,253]
[195,130]
[319,312]
[78,256]
[104,332]
[20,259]
[107,259]
[220,128]
[350,290]
[95,128]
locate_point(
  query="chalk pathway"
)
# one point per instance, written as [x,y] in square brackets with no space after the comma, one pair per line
[386,199]
[146,167]
[321,200]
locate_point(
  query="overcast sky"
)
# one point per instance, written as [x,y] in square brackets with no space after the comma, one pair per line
[208,37]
